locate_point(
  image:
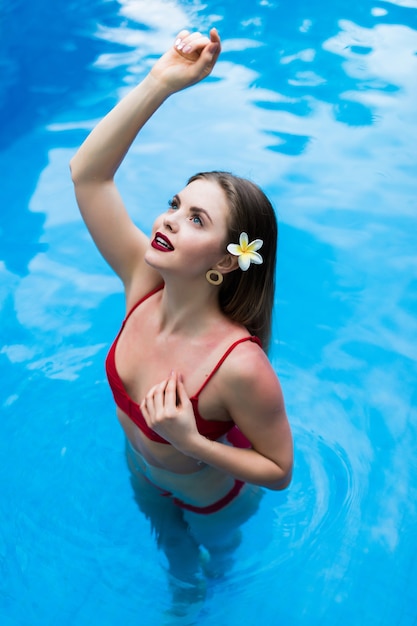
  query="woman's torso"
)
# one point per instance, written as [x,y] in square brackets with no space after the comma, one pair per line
[144,356]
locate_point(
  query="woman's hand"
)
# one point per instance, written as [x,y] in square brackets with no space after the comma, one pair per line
[189,60]
[167,409]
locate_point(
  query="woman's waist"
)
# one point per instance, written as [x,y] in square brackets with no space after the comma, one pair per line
[201,486]
[159,455]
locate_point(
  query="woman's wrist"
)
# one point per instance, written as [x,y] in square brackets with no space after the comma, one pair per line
[197,448]
[162,87]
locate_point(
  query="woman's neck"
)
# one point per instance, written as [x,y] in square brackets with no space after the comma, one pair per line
[188,308]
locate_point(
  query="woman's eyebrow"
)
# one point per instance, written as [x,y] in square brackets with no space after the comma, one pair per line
[197,209]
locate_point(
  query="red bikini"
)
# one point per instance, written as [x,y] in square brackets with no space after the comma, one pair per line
[211,429]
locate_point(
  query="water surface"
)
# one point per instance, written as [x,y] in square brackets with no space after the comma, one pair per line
[316,103]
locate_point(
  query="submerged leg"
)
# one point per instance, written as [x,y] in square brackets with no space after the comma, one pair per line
[172,536]
[220,533]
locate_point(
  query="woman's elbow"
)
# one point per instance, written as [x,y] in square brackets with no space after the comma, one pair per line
[75,171]
[281,482]
[80,170]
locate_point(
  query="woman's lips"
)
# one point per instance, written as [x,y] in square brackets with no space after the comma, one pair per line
[162,243]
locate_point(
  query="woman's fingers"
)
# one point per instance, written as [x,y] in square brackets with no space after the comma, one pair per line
[168,411]
[187,42]
[192,44]
[171,393]
[152,404]
[182,394]
[161,400]
[190,59]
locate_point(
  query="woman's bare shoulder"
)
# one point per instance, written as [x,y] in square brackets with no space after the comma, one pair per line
[247,370]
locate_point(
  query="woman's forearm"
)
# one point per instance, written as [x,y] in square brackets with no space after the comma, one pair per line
[245,464]
[189,61]
[106,146]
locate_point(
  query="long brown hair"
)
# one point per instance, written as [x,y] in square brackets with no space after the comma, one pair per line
[248,297]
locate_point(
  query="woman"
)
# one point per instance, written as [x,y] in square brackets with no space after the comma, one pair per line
[187,372]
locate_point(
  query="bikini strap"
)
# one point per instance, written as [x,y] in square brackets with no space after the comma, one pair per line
[135,306]
[224,357]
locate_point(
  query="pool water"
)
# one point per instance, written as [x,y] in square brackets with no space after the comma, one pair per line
[317,103]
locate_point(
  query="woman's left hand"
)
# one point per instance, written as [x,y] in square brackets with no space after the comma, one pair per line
[167,409]
[189,60]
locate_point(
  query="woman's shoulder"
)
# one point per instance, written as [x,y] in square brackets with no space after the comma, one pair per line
[247,365]
[249,383]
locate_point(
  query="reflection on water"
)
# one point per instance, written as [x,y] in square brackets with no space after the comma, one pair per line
[317,104]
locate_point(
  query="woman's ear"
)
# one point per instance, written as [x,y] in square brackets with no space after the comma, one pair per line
[227,264]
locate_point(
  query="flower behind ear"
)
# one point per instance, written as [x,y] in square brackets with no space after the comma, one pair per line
[246,252]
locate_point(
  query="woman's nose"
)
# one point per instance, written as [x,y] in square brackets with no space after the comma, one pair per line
[170,222]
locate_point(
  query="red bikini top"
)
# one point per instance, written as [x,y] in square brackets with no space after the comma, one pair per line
[210,429]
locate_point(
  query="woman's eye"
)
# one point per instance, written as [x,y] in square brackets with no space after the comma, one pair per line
[172,204]
[196,219]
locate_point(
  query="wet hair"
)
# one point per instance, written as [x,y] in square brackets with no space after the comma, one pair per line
[248,297]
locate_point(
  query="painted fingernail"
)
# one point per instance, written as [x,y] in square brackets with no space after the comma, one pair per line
[177,43]
[187,48]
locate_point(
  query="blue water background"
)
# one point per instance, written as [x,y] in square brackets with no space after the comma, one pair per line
[317,103]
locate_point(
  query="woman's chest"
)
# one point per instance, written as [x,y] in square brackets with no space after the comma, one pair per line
[144,358]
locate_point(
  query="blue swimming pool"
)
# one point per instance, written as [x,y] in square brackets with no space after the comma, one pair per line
[316,102]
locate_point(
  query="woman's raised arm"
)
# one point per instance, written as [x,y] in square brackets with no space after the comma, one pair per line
[93,167]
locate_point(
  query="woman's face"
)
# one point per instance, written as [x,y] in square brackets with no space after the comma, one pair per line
[190,237]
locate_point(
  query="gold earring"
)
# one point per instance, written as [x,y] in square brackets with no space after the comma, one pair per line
[214,277]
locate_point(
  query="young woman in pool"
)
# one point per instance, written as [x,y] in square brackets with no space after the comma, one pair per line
[200,404]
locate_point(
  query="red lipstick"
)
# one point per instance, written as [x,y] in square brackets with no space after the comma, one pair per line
[162,243]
